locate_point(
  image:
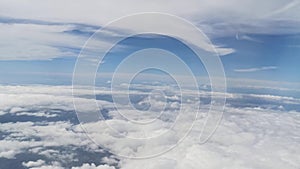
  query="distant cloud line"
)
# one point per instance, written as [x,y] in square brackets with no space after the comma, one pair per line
[256,69]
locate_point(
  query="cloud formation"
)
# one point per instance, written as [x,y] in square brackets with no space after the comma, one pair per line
[248,137]
[48,33]
[93,166]
[256,69]
[99,12]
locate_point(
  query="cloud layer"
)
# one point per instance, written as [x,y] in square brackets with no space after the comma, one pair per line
[37,32]
[262,135]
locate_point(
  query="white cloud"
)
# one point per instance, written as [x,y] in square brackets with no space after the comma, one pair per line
[93,166]
[9,148]
[34,163]
[35,41]
[8,154]
[246,138]
[256,69]
[99,12]
[38,41]
[289,7]
[262,84]
[109,160]
[224,51]
[31,41]
[48,41]
[48,167]
[247,37]
[53,165]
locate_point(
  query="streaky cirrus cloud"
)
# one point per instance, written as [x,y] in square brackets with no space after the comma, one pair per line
[44,42]
[99,12]
[256,69]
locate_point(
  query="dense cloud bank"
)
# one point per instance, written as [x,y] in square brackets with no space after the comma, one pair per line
[39,129]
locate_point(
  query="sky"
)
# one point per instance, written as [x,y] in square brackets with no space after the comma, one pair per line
[78,92]
[40,43]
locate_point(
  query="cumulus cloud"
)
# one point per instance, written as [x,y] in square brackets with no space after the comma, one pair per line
[93,166]
[241,141]
[53,165]
[33,163]
[248,137]
[50,134]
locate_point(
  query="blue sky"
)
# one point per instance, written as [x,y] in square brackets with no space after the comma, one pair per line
[52,119]
[278,54]
[265,57]
[42,47]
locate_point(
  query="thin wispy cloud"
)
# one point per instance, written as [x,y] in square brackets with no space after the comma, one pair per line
[256,69]
[41,43]
[247,37]
[285,8]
